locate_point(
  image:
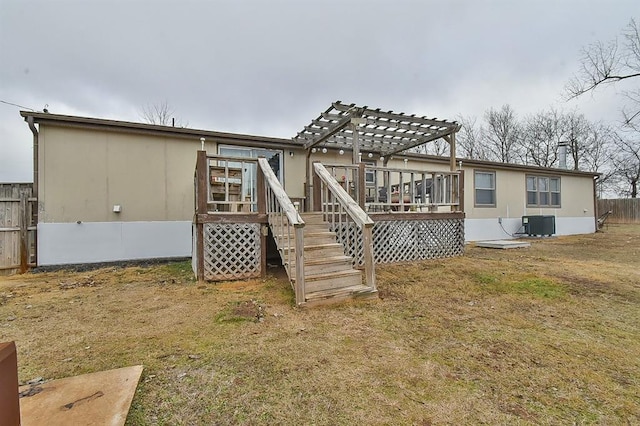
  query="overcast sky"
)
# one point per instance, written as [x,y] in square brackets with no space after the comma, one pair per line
[270,67]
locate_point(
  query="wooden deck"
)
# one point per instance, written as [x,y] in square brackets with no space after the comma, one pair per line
[329,253]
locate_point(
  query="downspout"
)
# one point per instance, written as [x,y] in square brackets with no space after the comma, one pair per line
[596,213]
[34,188]
[35,155]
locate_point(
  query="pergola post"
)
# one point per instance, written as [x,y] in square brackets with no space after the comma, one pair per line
[355,140]
[452,151]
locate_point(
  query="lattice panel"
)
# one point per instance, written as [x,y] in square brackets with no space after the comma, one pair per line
[231,251]
[407,240]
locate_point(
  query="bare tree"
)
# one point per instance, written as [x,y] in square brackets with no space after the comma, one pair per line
[469,139]
[626,162]
[543,133]
[437,147]
[160,113]
[609,63]
[502,134]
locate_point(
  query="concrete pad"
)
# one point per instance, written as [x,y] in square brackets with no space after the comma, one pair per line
[101,398]
[503,244]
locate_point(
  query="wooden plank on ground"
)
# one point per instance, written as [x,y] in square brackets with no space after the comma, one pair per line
[101,398]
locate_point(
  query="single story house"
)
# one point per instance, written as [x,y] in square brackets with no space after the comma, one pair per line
[112,190]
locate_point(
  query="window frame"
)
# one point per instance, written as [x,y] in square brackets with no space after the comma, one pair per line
[494,189]
[548,193]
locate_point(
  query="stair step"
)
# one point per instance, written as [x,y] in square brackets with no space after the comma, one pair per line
[317,250]
[339,295]
[323,265]
[313,218]
[333,280]
[313,237]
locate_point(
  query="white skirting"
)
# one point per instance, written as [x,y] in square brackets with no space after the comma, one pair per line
[490,229]
[93,242]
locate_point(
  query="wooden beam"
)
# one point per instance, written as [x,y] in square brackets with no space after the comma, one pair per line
[231,218]
[452,152]
[419,142]
[393,115]
[355,144]
[378,217]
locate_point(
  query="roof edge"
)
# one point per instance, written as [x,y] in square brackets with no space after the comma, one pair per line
[499,165]
[72,120]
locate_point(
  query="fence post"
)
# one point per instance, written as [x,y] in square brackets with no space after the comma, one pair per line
[24,234]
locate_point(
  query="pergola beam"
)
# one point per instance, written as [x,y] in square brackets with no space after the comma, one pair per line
[358,129]
[332,130]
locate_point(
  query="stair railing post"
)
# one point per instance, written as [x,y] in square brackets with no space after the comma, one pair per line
[367,251]
[300,284]
[361,185]
[317,191]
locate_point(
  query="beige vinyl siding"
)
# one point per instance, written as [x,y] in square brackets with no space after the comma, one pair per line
[576,196]
[84,172]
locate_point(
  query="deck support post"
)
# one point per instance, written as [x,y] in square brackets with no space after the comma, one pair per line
[201,208]
[262,209]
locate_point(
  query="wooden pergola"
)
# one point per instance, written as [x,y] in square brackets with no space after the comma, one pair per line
[363,130]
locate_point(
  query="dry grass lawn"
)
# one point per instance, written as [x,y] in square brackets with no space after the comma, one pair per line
[545,335]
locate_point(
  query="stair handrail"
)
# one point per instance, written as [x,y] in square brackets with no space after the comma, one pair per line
[357,214]
[283,216]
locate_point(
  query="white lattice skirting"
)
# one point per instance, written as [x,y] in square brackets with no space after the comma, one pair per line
[402,241]
[406,240]
[231,251]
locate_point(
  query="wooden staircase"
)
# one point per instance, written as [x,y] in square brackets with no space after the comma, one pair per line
[329,275]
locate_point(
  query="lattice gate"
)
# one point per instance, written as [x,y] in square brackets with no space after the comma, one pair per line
[397,241]
[232,251]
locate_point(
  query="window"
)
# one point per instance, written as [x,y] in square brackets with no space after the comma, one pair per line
[543,191]
[485,188]
[369,174]
[249,173]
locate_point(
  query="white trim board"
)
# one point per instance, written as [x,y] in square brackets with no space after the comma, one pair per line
[490,229]
[93,242]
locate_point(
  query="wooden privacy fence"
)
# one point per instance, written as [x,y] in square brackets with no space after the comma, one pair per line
[623,210]
[17,227]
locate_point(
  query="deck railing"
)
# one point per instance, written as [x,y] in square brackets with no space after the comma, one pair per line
[353,227]
[397,189]
[287,227]
[232,184]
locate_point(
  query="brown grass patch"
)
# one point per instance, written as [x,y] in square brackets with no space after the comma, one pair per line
[549,334]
